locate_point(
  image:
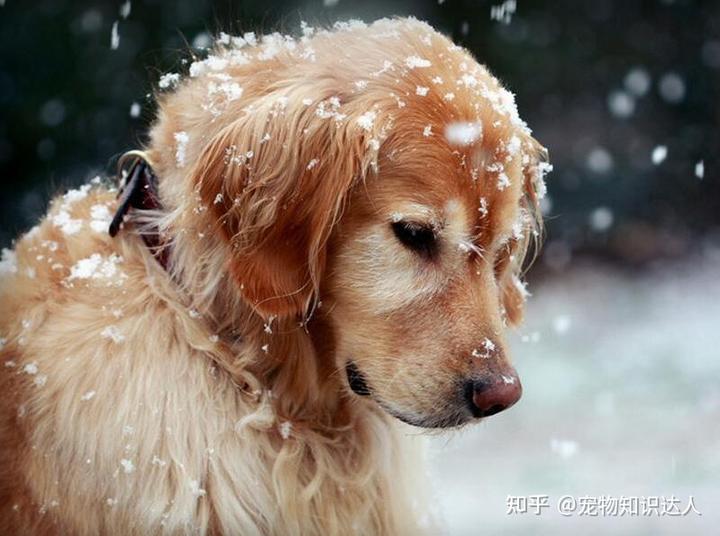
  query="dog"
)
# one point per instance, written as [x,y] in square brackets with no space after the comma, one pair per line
[324,236]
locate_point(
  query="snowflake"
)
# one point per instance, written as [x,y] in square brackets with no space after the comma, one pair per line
[100,218]
[463,133]
[366,120]
[112,333]
[127,465]
[181,139]
[483,208]
[285,428]
[503,181]
[414,61]
[195,489]
[67,225]
[169,80]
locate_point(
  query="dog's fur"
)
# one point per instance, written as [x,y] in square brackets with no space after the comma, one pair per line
[213,397]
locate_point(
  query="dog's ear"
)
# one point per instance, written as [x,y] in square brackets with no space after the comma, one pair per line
[274,182]
[513,260]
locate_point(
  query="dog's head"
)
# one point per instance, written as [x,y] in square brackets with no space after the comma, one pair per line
[382,175]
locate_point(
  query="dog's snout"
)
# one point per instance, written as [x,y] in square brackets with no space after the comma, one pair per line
[490,396]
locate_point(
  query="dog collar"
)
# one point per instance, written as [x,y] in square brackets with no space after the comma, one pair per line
[138,190]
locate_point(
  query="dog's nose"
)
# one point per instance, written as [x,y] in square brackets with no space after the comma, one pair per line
[490,396]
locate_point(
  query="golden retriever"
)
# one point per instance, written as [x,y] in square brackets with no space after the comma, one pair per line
[343,218]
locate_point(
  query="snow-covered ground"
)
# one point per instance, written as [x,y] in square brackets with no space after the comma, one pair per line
[621,376]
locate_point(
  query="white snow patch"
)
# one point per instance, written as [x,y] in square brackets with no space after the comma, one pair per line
[100,218]
[40,380]
[503,181]
[87,396]
[168,80]
[195,489]
[367,120]
[422,91]
[97,267]
[66,224]
[427,131]
[31,368]
[181,140]
[112,333]
[285,429]
[127,465]
[483,208]
[463,133]
[8,262]
[415,61]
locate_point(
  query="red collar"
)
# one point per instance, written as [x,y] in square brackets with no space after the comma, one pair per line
[138,190]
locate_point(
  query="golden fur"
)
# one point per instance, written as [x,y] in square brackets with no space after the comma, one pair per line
[213,398]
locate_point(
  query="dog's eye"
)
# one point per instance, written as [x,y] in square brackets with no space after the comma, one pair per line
[419,238]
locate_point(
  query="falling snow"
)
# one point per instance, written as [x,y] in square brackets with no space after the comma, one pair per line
[125,9]
[700,169]
[503,12]
[659,154]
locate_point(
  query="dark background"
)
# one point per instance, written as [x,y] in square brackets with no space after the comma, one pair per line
[65,99]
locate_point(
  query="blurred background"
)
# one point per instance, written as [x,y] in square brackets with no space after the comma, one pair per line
[620,357]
